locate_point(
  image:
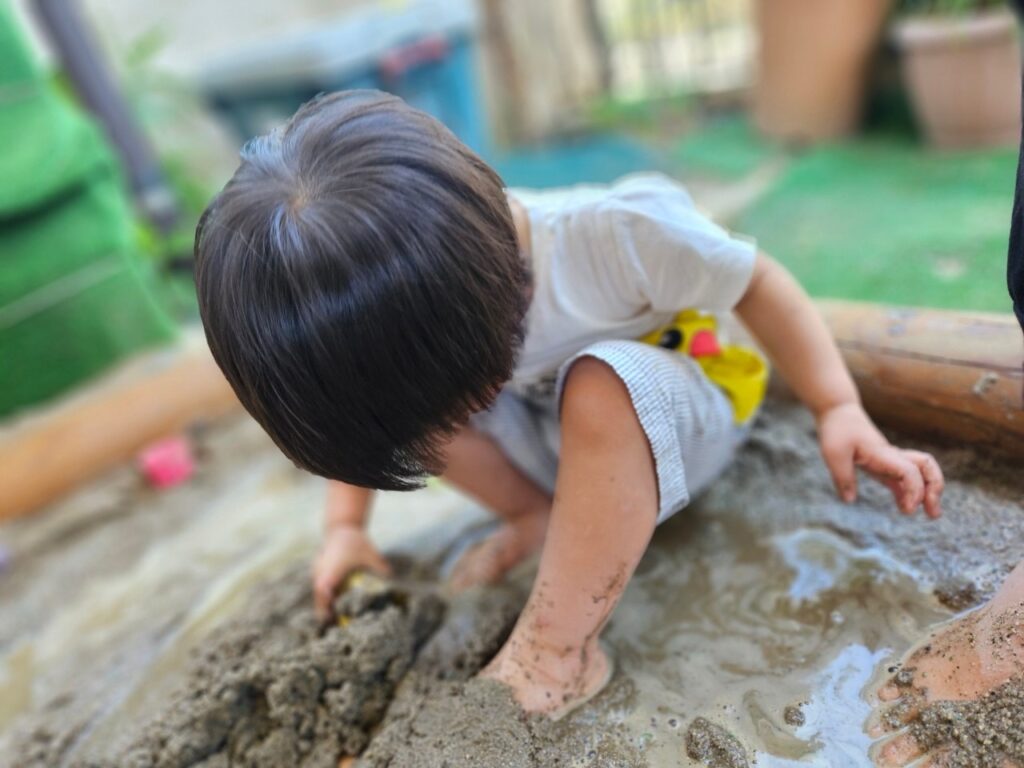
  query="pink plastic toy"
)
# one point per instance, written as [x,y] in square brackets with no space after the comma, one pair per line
[167,462]
[704,344]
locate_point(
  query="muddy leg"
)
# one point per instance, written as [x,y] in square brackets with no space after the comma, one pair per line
[603,515]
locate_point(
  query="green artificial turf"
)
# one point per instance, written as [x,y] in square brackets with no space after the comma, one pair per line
[75,294]
[727,148]
[888,220]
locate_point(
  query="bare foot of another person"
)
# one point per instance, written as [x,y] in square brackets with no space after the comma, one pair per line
[551,681]
[957,701]
[512,543]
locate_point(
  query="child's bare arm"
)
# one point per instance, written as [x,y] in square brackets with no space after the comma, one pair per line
[346,547]
[478,468]
[782,317]
[347,505]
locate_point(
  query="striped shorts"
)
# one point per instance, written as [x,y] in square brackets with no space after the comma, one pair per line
[688,421]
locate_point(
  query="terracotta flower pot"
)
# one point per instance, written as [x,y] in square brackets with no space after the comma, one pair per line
[813,61]
[963,74]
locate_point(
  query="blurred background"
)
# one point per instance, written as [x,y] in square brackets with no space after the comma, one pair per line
[867,144]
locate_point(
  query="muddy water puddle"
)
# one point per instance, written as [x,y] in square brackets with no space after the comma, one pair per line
[728,624]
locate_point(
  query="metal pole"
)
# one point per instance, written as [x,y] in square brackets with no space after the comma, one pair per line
[96,87]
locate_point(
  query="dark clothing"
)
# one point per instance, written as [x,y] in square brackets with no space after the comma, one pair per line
[1015,261]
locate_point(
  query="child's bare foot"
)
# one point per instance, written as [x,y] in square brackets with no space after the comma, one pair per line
[961,662]
[552,681]
[504,549]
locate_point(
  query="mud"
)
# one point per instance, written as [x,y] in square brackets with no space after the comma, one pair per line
[766,592]
[961,557]
[435,720]
[794,715]
[446,729]
[714,746]
[975,734]
[271,689]
[958,596]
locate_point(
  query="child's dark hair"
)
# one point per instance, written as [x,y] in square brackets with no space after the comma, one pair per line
[361,287]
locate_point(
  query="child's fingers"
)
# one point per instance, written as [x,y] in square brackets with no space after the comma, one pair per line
[889,464]
[327,575]
[376,562]
[321,601]
[934,482]
[323,594]
[839,460]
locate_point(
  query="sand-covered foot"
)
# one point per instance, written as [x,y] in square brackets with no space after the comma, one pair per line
[487,562]
[551,681]
[957,701]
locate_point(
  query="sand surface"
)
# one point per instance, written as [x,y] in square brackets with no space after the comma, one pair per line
[765,599]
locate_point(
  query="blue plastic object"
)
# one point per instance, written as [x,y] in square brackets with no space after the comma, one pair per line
[421,50]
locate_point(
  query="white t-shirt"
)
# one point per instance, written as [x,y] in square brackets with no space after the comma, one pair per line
[617,262]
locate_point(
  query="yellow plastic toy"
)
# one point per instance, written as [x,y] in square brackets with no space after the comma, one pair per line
[741,373]
[363,582]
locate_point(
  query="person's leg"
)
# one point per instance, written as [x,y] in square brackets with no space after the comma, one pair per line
[477,466]
[985,649]
[604,512]
[962,661]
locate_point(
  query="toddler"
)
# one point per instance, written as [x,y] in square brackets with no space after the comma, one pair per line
[388,310]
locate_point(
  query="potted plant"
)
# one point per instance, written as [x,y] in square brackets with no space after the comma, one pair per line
[813,64]
[961,63]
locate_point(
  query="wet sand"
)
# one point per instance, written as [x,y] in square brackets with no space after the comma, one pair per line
[268,689]
[976,734]
[767,593]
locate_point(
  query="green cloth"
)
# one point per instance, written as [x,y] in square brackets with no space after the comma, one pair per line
[74,295]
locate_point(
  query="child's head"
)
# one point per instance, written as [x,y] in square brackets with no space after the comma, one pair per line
[361,287]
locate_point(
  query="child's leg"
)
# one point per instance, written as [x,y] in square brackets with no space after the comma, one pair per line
[604,512]
[477,466]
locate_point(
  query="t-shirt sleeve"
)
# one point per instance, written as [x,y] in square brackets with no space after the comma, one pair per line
[678,257]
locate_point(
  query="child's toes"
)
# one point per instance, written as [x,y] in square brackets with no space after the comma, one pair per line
[891,718]
[901,683]
[889,693]
[899,751]
[941,759]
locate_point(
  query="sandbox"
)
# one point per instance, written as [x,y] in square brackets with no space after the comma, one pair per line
[754,629]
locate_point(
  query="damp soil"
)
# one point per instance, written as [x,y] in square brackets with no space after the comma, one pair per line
[271,688]
[714,746]
[442,717]
[764,593]
[975,734]
[793,715]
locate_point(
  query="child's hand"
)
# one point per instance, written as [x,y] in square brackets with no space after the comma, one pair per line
[345,549]
[849,440]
